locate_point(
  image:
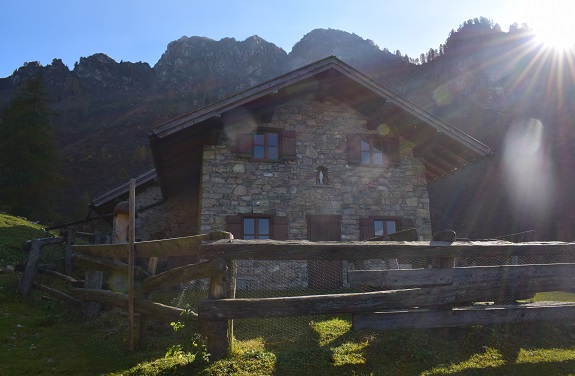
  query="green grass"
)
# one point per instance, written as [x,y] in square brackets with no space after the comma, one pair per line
[40,336]
[14,232]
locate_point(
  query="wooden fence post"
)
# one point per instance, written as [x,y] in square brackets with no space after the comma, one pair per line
[220,332]
[70,237]
[131,259]
[25,282]
[31,268]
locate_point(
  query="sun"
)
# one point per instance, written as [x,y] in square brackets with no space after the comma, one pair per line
[553,24]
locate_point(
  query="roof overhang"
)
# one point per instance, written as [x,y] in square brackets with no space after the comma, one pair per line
[177,144]
[104,204]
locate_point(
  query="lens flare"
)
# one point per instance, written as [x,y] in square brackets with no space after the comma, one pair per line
[553,24]
[528,176]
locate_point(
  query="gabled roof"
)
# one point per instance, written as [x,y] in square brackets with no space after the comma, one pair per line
[176,145]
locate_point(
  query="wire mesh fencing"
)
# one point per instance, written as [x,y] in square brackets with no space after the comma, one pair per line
[266,279]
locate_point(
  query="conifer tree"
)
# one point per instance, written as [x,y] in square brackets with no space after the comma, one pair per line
[28,154]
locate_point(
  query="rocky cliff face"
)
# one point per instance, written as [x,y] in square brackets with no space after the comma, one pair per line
[217,67]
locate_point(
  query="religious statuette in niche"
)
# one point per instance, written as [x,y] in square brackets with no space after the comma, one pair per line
[322,177]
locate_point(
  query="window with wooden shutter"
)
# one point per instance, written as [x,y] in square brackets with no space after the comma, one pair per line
[353,151]
[257,226]
[234,225]
[245,145]
[373,150]
[366,228]
[288,145]
[392,150]
[267,144]
[373,227]
[280,227]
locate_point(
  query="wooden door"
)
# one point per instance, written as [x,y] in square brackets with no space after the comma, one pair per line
[324,274]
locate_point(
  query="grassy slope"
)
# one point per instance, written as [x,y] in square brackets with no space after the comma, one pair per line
[40,336]
[13,232]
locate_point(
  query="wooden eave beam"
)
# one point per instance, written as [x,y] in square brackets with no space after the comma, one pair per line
[457,159]
[437,166]
[437,152]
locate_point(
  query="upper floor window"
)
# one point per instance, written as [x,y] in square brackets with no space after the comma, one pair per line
[373,150]
[267,144]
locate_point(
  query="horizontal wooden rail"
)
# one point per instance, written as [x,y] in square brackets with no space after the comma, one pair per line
[305,250]
[30,269]
[184,246]
[143,306]
[468,275]
[185,273]
[102,264]
[372,301]
[473,315]
[66,278]
[56,293]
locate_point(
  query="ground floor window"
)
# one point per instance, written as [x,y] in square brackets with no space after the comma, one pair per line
[256,228]
[385,226]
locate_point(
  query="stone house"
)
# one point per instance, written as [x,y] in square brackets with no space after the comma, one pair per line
[320,153]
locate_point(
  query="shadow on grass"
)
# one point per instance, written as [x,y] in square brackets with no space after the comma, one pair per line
[482,349]
[566,367]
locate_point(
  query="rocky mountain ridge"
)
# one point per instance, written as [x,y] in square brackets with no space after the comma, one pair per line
[103,108]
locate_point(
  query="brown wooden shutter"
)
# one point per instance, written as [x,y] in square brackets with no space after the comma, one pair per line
[234,225]
[280,228]
[392,150]
[366,229]
[353,149]
[289,145]
[245,145]
[407,223]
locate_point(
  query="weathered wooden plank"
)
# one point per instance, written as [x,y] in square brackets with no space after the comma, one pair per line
[184,246]
[30,269]
[57,294]
[71,280]
[219,332]
[475,315]
[131,261]
[103,250]
[459,276]
[371,301]
[184,273]
[70,237]
[305,250]
[93,279]
[143,306]
[107,265]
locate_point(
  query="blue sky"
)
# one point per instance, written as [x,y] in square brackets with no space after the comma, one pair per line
[130,30]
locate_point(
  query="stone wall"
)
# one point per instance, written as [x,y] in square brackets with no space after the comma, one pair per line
[233,185]
[159,219]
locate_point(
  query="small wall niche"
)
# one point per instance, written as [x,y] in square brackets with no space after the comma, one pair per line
[322,176]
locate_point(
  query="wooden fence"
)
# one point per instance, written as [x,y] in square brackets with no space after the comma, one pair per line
[443,297]
[440,297]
